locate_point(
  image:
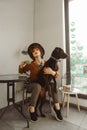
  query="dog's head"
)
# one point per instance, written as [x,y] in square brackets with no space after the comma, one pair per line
[58,53]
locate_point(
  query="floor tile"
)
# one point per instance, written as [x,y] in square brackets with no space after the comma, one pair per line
[13,120]
[80,128]
[74,117]
[5,126]
[84,122]
[50,123]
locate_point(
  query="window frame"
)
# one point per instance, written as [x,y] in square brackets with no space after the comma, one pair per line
[67,43]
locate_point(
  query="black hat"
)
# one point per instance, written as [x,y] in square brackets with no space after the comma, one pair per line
[35,45]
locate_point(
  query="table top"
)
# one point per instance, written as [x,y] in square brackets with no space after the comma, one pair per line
[12,78]
[73,90]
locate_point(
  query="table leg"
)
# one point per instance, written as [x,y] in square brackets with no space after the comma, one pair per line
[12,98]
[9,99]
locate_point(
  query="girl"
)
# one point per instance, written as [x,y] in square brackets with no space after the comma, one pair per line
[36,52]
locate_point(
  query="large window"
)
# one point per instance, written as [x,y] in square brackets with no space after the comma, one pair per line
[77,21]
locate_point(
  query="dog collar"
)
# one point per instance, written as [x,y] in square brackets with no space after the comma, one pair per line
[55,59]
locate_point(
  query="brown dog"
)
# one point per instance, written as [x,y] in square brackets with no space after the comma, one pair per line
[45,79]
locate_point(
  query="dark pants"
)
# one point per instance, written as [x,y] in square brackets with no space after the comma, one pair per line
[35,91]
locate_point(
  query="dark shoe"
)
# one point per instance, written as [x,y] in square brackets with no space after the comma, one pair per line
[57,113]
[33,116]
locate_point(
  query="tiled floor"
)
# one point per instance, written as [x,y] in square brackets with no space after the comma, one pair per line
[12,120]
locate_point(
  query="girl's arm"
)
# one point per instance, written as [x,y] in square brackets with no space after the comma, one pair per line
[48,70]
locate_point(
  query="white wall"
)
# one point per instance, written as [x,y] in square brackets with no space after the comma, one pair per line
[48,28]
[16,30]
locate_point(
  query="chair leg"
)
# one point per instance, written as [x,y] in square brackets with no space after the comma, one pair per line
[77,102]
[63,102]
[67,109]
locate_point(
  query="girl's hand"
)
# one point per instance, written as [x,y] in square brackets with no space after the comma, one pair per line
[48,70]
[22,64]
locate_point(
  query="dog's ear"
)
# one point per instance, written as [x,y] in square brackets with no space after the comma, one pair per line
[59,53]
[58,49]
[56,52]
[62,53]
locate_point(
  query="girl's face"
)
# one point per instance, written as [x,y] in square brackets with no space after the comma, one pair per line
[36,52]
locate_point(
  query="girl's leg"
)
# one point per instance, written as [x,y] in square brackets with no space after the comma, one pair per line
[36,88]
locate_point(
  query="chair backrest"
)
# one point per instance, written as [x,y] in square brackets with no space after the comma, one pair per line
[26,85]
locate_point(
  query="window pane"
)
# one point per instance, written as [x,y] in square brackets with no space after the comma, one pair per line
[78,43]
